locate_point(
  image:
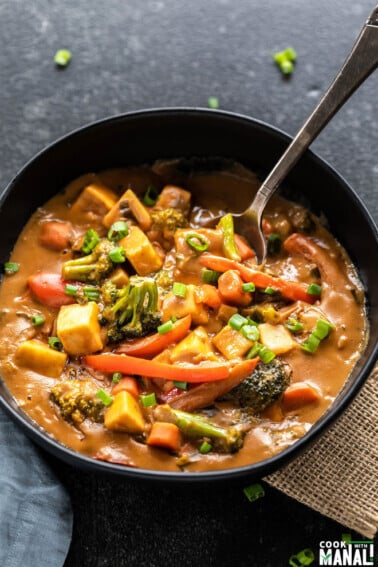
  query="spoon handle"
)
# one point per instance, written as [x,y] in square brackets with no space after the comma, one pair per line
[361,62]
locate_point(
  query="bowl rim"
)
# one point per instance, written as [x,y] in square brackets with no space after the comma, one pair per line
[254,470]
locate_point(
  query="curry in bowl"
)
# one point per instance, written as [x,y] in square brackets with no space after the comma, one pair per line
[133,334]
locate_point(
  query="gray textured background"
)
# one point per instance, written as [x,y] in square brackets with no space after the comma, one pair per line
[136,54]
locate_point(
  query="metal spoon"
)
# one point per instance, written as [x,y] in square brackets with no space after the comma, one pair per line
[361,62]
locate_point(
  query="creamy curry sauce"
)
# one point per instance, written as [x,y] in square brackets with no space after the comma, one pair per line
[341,302]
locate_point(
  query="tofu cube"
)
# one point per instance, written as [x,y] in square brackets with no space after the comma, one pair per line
[231,343]
[94,198]
[79,329]
[194,348]
[140,252]
[276,338]
[40,358]
[176,306]
[124,414]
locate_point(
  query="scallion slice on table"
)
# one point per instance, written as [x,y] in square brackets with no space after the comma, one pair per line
[213,102]
[62,57]
[254,491]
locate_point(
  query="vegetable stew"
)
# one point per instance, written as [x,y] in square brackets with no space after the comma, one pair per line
[134,334]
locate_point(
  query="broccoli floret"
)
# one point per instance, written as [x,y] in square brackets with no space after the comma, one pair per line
[91,268]
[134,311]
[225,439]
[77,401]
[167,221]
[263,387]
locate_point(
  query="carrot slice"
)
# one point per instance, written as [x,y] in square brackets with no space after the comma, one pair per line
[148,347]
[127,383]
[298,395]
[153,369]
[245,251]
[291,290]
[209,295]
[230,288]
[165,435]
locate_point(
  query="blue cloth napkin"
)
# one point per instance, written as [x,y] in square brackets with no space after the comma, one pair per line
[35,509]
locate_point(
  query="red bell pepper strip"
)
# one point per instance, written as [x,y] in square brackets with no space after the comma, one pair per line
[153,369]
[291,290]
[148,347]
[49,289]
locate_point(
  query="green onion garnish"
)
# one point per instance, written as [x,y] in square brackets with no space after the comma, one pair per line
[302,558]
[213,102]
[165,327]
[237,321]
[294,325]
[250,332]
[323,329]
[37,320]
[314,289]
[117,231]
[254,351]
[62,57]
[116,377]
[274,243]
[248,286]
[91,238]
[196,241]
[254,492]
[11,268]
[148,400]
[180,385]
[210,276]
[311,344]
[55,343]
[262,351]
[105,397]
[150,196]
[269,290]
[117,255]
[285,60]
[91,293]
[205,448]
[71,289]
[179,289]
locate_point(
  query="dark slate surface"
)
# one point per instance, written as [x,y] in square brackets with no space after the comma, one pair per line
[135,54]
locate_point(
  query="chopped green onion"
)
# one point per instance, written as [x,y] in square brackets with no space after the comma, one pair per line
[270,290]
[37,320]
[150,196]
[105,397]
[55,343]
[213,102]
[91,293]
[11,268]
[180,385]
[285,60]
[311,344]
[274,243]
[302,558]
[165,327]
[71,289]
[117,255]
[248,286]
[266,355]
[117,231]
[237,321]
[290,54]
[148,400]
[179,289]
[287,67]
[116,377]
[314,289]
[210,276]
[250,332]
[205,448]
[62,57]
[226,224]
[322,329]
[294,325]
[196,241]
[91,238]
[254,492]
[346,537]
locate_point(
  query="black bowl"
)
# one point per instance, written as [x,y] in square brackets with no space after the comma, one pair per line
[144,136]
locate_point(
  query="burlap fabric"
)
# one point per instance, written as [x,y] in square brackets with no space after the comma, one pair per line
[338,475]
